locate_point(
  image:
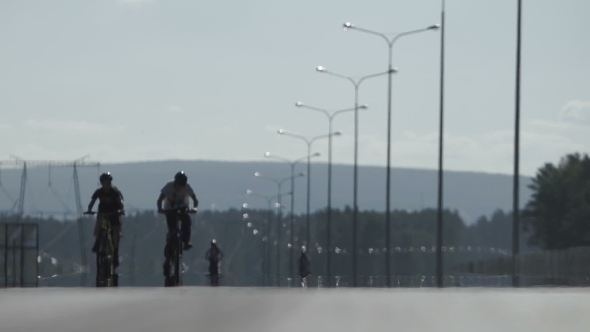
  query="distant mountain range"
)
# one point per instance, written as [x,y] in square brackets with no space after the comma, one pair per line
[222,185]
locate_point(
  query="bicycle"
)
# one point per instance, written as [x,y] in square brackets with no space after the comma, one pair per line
[173,249]
[214,274]
[214,279]
[105,270]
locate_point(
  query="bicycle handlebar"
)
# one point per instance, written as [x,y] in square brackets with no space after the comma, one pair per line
[119,213]
[178,210]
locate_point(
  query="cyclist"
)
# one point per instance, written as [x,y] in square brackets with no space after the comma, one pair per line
[176,194]
[111,202]
[303,265]
[214,255]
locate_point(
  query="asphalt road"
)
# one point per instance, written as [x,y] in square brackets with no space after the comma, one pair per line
[251,309]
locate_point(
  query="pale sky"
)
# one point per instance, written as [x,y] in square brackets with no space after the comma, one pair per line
[128,80]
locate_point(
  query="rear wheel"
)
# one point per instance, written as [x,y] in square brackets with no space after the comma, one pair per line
[177,254]
[108,271]
[98,271]
[105,268]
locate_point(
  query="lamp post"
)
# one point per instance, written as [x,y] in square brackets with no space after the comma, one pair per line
[356,83]
[390,42]
[515,204]
[269,200]
[279,183]
[309,142]
[330,115]
[291,230]
[250,224]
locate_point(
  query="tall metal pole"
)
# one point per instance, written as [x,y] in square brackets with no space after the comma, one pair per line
[279,221]
[279,215]
[388,175]
[268,227]
[308,142]
[515,206]
[390,70]
[356,84]
[291,227]
[307,217]
[355,188]
[439,221]
[329,222]
[6,255]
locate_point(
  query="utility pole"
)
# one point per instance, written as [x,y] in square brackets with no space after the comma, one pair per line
[80,162]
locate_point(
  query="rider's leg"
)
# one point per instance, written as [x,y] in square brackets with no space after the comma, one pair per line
[171,224]
[96,232]
[186,231]
[116,229]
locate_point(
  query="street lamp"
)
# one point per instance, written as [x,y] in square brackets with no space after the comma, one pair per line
[330,115]
[269,200]
[292,165]
[390,43]
[356,83]
[279,183]
[250,224]
[309,142]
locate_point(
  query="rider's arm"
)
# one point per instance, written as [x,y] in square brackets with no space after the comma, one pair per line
[195,201]
[121,200]
[91,205]
[160,200]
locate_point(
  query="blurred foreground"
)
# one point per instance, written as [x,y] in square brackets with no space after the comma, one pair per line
[253,309]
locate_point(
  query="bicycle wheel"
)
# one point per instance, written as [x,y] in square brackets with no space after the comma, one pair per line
[108,271]
[98,270]
[107,258]
[177,255]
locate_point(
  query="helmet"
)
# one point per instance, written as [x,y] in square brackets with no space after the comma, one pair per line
[180,178]
[213,243]
[106,176]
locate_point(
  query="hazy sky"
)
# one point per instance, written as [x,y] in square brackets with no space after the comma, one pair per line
[126,80]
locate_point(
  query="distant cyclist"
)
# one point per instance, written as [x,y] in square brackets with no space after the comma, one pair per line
[304,265]
[176,194]
[214,255]
[111,202]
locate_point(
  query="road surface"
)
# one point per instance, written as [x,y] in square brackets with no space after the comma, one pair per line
[258,310]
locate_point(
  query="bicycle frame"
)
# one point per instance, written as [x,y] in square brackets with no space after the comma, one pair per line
[174,245]
[105,270]
[105,254]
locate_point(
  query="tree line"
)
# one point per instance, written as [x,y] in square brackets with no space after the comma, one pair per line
[255,240]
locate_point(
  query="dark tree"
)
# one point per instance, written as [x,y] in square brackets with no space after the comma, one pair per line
[558,213]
